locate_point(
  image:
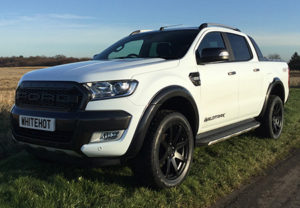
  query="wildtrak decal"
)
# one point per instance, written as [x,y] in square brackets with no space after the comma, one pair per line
[214,117]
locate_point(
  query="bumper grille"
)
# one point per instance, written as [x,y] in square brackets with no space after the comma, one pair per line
[57,136]
[56,96]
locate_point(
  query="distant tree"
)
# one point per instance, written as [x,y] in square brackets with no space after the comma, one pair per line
[15,61]
[294,63]
[274,56]
[60,57]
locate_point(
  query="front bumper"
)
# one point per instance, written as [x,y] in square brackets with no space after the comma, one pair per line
[73,129]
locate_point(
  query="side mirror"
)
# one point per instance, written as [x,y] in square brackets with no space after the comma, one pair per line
[213,55]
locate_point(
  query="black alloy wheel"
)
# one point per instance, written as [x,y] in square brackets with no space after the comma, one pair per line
[166,156]
[272,122]
[173,150]
[277,120]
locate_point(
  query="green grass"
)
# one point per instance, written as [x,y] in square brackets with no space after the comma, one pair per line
[6,145]
[216,171]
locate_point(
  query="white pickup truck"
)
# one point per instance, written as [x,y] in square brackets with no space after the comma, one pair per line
[150,98]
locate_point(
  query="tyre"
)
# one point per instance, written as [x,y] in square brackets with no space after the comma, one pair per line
[166,156]
[272,122]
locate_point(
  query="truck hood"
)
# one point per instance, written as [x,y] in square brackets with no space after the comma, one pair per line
[91,71]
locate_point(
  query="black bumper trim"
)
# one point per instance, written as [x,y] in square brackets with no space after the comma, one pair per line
[64,158]
[73,129]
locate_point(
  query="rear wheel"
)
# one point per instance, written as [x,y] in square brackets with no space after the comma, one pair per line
[272,122]
[166,156]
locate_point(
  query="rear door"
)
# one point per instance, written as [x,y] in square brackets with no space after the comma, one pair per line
[250,76]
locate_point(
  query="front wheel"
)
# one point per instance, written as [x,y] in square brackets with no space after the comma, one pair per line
[272,122]
[166,156]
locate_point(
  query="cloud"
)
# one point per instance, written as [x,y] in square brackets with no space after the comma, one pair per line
[69,17]
[51,34]
[15,20]
[45,19]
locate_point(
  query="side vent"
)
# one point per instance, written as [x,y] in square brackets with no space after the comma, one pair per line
[195,78]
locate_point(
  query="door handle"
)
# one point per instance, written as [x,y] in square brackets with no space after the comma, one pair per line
[256,70]
[231,73]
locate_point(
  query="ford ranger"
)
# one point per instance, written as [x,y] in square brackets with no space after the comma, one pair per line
[150,98]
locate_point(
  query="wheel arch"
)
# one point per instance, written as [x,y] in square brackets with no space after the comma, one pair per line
[276,87]
[174,98]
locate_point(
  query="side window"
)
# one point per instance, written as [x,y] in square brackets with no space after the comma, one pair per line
[153,48]
[211,40]
[239,47]
[160,49]
[131,48]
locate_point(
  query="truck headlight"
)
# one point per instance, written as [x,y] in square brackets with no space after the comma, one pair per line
[111,89]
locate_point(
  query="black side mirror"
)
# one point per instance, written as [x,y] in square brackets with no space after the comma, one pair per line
[212,55]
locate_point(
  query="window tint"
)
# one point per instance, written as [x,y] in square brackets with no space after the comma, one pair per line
[130,48]
[239,47]
[153,48]
[171,44]
[211,40]
[258,52]
[161,49]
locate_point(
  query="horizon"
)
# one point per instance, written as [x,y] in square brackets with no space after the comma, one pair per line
[82,29]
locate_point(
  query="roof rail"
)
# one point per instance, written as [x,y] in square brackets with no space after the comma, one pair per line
[138,31]
[204,25]
[163,27]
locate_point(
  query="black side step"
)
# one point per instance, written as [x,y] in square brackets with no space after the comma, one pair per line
[221,134]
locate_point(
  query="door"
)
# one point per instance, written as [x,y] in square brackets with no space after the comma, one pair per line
[219,87]
[250,77]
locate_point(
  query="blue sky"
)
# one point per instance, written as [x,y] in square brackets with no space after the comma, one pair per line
[84,28]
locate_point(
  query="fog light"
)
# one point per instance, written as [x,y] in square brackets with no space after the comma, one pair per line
[104,136]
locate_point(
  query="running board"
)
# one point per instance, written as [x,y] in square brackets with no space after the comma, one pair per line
[218,135]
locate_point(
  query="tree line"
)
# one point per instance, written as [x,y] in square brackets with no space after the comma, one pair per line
[17,61]
[294,63]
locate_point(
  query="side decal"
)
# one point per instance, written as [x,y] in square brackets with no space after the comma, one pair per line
[214,117]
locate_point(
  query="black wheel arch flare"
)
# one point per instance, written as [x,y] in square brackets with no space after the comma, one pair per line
[152,108]
[276,83]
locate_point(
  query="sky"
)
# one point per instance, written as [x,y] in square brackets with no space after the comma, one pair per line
[84,28]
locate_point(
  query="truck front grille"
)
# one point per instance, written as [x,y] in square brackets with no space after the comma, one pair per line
[55,96]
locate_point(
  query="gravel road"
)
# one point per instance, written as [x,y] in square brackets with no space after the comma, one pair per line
[279,188]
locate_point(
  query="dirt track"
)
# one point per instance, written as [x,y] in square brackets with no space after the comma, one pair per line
[280,187]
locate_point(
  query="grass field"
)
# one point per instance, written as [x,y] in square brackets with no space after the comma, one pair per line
[9,77]
[216,171]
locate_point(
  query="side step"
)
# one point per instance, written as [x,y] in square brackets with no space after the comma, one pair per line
[221,134]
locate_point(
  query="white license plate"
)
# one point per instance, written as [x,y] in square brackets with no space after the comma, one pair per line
[40,123]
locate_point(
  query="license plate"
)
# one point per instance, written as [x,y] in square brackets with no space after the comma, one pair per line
[40,123]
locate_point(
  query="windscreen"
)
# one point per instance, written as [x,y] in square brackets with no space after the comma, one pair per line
[159,44]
